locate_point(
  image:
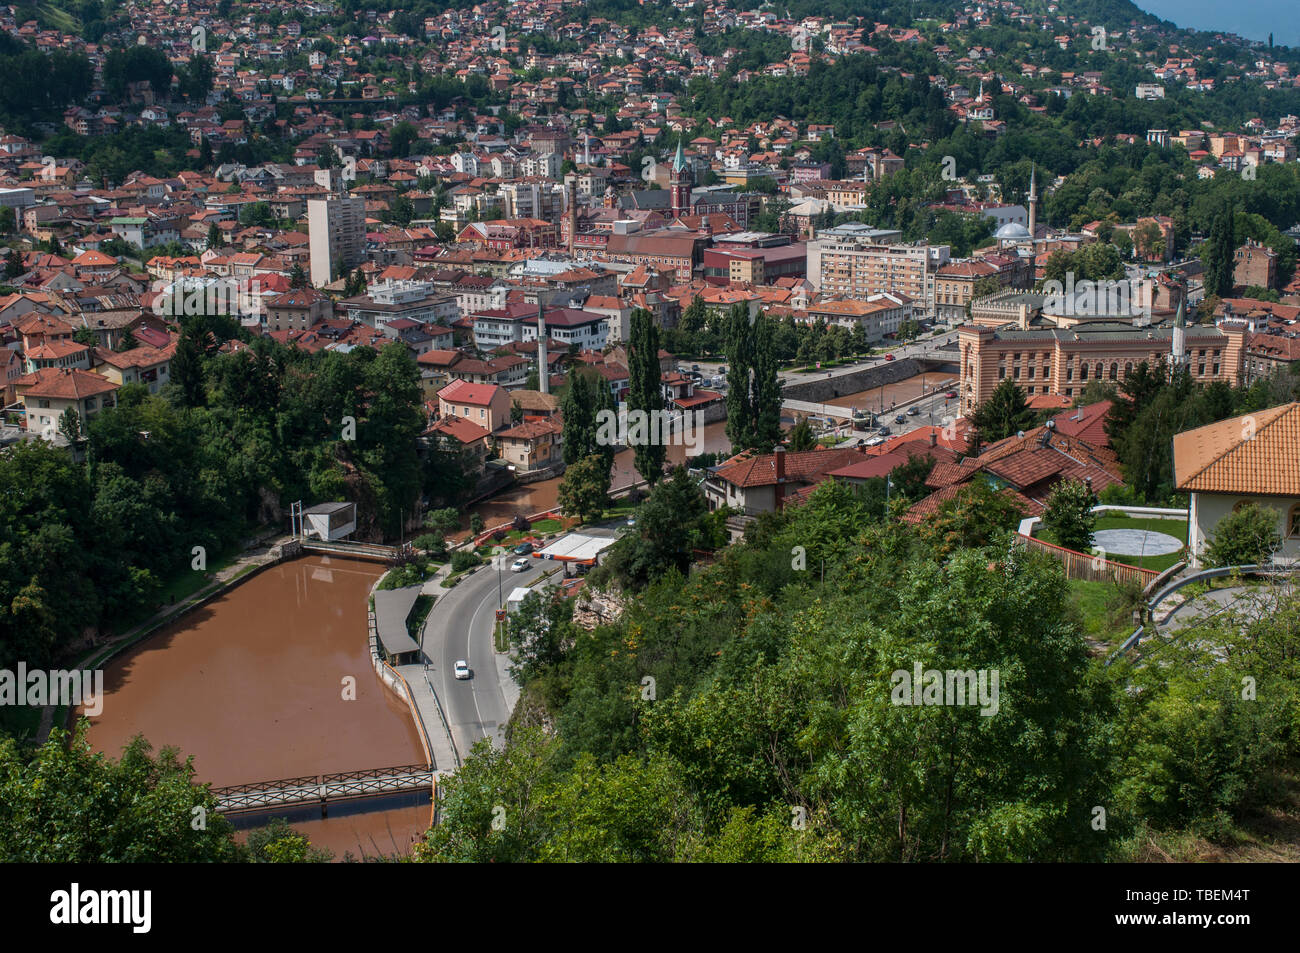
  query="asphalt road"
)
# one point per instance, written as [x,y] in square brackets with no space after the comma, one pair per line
[461,625]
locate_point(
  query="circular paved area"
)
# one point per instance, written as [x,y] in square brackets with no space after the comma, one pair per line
[1135,542]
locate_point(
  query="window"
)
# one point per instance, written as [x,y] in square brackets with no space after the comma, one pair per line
[1293,522]
[1002,372]
[1114,371]
[1083,372]
[1069,372]
[1016,372]
[1216,370]
[1200,370]
[1128,369]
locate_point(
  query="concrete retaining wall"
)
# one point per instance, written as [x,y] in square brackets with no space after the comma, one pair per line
[825,390]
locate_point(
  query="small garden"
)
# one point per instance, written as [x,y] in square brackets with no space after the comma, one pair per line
[1159,563]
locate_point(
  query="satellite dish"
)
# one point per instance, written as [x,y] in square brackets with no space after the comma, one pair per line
[1020,434]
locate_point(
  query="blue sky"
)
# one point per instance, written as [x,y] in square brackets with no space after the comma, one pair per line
[1252,19]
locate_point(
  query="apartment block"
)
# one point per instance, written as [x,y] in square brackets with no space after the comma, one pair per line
[336,230]
[856,261]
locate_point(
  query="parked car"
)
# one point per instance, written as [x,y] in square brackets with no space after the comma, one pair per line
[912,411]
[884,431]
[875,441]
[520,565]
[900,419]
[889,357]
[951,395]
[461,669]
[523,549]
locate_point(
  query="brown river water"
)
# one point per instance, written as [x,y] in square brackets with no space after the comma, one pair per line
[252,686]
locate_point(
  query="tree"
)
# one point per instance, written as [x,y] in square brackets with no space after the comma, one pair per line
[645,394]
[1069,514]
[972,518]
[538,632]
[667,533]
[754,396]
[586,396]
[297,277]
[187,366]
[1006,412]
[800,437]
[214,236]
[1220,254]
[1247,536]
[443,522]
[278,843]
[70,426]
[584,491]
[64,803]
[8,221]
[14,264]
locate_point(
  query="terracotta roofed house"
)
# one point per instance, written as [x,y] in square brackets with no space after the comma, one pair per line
[1254,458]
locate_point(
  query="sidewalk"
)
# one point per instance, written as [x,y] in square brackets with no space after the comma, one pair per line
[442,747]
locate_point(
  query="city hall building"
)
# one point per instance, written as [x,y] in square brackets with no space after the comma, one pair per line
[1059,356]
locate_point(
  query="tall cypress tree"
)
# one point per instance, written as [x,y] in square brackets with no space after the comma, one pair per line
[576,408]
[739,350]
[753,396]
[584,399]
[645,393]
[1222,248]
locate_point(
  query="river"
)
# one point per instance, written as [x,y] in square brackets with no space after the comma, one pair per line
[253,684]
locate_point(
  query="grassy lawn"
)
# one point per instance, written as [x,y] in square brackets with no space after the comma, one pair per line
[1101,619]
[1174,528]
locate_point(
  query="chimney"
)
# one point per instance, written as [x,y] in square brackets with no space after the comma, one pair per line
[779,460]
[543,364]
[934,438]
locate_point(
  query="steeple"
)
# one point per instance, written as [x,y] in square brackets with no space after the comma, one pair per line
[680,182]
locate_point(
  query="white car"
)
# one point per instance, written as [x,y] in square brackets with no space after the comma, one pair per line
[461,669]
[520,565]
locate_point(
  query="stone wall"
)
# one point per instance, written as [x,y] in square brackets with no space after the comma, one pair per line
[825,390]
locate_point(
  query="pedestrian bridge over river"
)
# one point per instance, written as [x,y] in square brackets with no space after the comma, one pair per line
[323,788]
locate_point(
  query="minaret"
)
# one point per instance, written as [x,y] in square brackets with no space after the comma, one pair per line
[1179,347]
[680,183]
[543,366]
[1033,204]
[571,200]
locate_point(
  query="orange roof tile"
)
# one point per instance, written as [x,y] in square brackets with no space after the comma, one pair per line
[1255,453]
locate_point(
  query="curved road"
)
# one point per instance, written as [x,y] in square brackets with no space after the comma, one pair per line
[460,627]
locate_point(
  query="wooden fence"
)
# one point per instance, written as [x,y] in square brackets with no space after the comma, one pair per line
[1092,568]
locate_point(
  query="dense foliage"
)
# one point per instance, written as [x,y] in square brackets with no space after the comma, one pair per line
[226,447]
[745,713]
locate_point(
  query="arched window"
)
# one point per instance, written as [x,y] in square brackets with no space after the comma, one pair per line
[1114,372]
[1083,372]
[1293,522]
[1101,370]
[1128,369]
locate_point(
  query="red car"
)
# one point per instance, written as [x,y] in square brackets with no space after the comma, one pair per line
[889,357]
[951,395]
